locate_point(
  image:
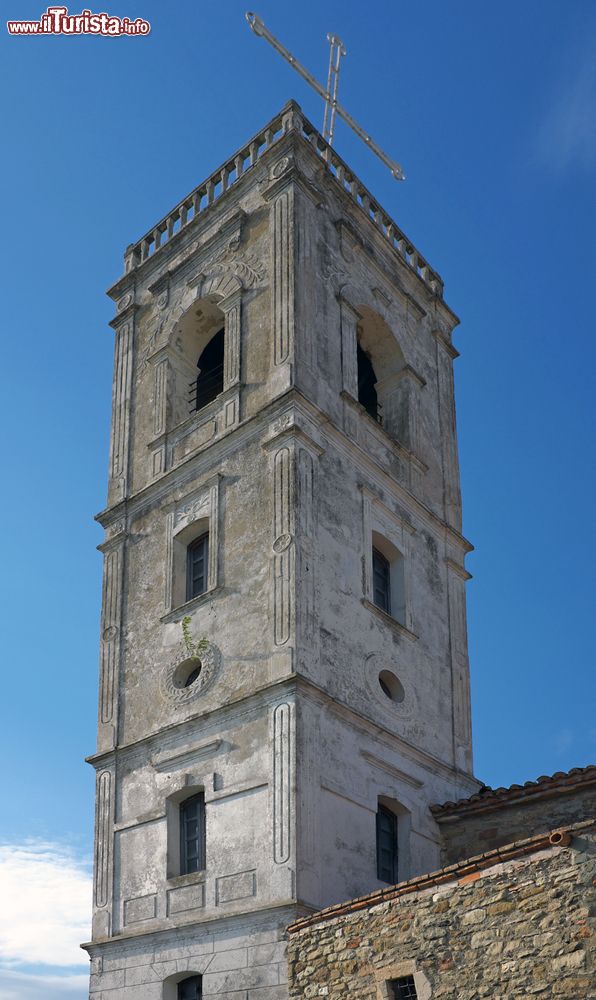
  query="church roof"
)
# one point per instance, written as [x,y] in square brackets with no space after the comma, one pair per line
[467,870]
[493,798]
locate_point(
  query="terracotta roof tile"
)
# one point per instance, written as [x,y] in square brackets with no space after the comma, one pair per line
[492,798]
[459,872]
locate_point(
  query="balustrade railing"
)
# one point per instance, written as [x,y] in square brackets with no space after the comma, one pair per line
[230,173]
[362,196]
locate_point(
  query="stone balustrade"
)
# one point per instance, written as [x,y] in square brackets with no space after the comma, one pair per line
[289,119]
[397,240]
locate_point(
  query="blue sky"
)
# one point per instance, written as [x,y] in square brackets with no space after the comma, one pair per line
[491,109]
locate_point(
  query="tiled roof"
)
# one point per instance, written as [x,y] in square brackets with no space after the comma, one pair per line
[464,871]
[493,798]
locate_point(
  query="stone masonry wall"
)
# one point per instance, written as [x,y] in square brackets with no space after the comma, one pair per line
[519,928]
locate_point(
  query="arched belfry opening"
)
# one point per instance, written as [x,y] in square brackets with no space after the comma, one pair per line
[367,379]
[209,381]
[198,358]
[383,389]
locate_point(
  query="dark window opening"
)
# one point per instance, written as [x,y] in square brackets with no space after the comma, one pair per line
[192,836]
[386,846]
[209,381]
[385,688]
[403,989]
[381,581]
[196,567]
[192,676]
[367,394]
[191,988]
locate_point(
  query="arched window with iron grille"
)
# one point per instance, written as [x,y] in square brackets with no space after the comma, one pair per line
[209,381]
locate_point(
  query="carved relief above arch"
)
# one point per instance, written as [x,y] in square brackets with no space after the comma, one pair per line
[219,284]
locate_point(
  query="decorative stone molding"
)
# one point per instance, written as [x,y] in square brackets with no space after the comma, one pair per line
[374,664]
[397,531]
[110,633]
[170,685]
[226,263]
[283,554]
[173,759]
[201,505]
[282,785]
[333,273]
[445,354]
[279,168]
[395,772]
[121,401]
[103,860]
[283,276]
[349,319]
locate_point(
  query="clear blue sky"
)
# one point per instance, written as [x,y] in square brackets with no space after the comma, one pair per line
[491,108]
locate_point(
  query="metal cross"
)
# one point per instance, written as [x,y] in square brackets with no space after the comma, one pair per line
[329,95]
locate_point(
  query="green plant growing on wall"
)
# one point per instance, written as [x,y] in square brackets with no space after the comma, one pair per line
[194,647]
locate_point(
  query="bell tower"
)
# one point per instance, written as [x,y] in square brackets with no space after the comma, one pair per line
[284,676]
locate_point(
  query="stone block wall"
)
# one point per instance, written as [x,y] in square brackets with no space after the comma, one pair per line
[518,927]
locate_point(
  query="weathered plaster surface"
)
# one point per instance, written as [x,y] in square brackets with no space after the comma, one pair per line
[288,731]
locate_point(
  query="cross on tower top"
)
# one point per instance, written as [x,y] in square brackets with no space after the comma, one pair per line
[329,94]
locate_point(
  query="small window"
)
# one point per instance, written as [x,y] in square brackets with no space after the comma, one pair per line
[192,988]
[367,393]
[386,846]
[209,381]
[381,581]
[402,989]
[386,578]
[192,836]
[196,566]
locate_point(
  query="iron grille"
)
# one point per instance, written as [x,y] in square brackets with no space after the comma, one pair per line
[205,388]
[192,835]
[403,989]
[381,581]
[196,567]
[386,846]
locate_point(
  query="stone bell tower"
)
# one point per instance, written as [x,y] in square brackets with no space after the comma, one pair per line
[284,676]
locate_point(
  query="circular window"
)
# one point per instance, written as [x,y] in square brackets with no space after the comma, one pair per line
[187,672]
[391,686]
[184,677]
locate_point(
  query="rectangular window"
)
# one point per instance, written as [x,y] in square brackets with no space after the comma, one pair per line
[386,845]
[192,835]
[381,581]
[196,567]
[402,989]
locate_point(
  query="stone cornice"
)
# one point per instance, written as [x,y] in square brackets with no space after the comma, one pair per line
[168,739]
[120,943]
[249,430]
[389,740]
[443,340]
[169,736]
[459,570]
